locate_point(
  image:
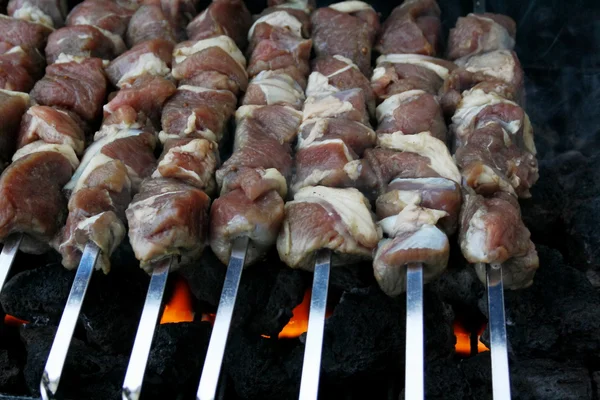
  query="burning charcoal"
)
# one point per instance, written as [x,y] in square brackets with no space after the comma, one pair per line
[259,369]
[459,286]
[583,233]
[348,278]
[478,372]
[205,278]
[176,359]
[558,316]
[444,381]
[10,372]
[88,374]
[38,295]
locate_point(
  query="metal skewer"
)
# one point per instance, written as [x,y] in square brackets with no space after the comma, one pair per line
[8,255]
[218,338]
[134,378]
[311,365]
[414,364]
[497,324]
[64,333]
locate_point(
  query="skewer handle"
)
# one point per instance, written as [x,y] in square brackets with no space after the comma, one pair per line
[414,365]
[218,338]
[134,378]
[311,365]
[498,342]
[8,255]
[66,327]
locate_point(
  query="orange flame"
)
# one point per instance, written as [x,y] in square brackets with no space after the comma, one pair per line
[299,322]
[463,340]
[14,321]
[179,308]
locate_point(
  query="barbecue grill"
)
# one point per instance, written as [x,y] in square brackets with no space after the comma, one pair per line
[357,342]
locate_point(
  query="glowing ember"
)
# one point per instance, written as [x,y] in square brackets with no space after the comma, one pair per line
[463,340]
[179,308]
[13,321]
[299,322]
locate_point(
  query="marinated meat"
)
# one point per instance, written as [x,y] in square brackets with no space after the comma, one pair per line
[14,78]
[23,33]
[47,12]
[12,107]
[476,34]
[106,15]
[28,58]
[82,41]
[347,104]
[356,136]
[149,22]
[222,17]
[274,88]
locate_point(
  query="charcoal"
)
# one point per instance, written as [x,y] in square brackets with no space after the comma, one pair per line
[478,373]
[558,316]
[353,277]
[445,381]
[583,234]
[176,359]
[88,374]
[459,285]
[10,373]
[38,295]
[205,278]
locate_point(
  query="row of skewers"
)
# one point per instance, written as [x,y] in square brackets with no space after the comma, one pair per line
[306,162]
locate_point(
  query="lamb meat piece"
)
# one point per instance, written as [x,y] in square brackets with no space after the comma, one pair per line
[348,29]
[28,58]
[234,215]
[51,13]
[296,11]
[168,218]
[23,33]
[147,95]
[31,198]
[326,218]
[517,272]
[479,108]
[255,182]
[433,193]
[348,104]
[222,17]
[96,214]
[191,161]
[12,107]
[15,78]
[78,86]
[306,5]
[476,34]
[274,88]
[218,54]
[413,238]
[179,12]
[149,22]
[276,42]
[197,112]
[355,135]
[497,71]
[412,112]
[491,229]
[52,125]
[414,27]
[490,162]
[337,73]
[82,41]
[152,57]
[397,73]
[106,15]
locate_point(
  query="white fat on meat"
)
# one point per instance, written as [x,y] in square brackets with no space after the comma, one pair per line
[414,59]
[147,63]
[499,64]
[224,42]
[325,107]
[198,148]
[318,84]
[273,175]
[93,158]
[389,105]
[22,95]
[296,5]
[351,6]
[31,13]
[281,19]
[496,31]
[474,245]
[68,58]
[118,43]
[350,205]
[41,146]
[424,145]
[316,132]
[278,88]
[409,219]
[50,132]
[488,176]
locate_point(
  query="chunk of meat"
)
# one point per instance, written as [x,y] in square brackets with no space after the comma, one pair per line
[197,112]
[517,272]
[107,15]
[15,78]
[476,34]
[222,17]
[234,215]
[168,218]
[178,12]
[274,88]
[337,73]
[52,125]
[28,58]
[149,22]
[189,160]
[412,112]
[414,238]
[23,33]
[76,86]
[355,135]
[296,10]
[152,57]
[48,12]
[348,104]
[327,218]
[31,198]
[397,73]
[147,95]
[414,27]
[12,107]
[347,29]
[82,41]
